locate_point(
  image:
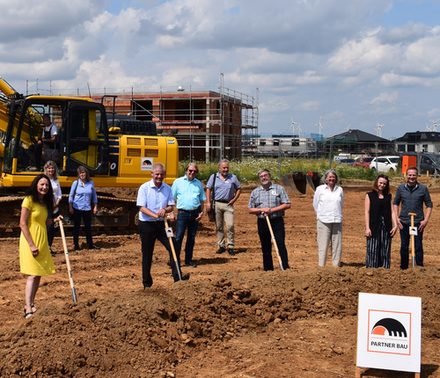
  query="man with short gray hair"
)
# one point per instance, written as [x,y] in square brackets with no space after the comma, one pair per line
[222,191]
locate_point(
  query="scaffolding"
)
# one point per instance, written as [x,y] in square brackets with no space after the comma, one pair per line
[208,124]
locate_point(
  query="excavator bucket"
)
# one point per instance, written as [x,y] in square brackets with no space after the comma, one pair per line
[299,181]
[313,179]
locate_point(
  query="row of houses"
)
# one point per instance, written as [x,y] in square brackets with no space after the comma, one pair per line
[351,142]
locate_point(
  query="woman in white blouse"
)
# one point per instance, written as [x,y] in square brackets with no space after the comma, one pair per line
[328,202]
[50,169]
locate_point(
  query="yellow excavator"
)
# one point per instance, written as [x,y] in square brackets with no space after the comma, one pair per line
[115,156]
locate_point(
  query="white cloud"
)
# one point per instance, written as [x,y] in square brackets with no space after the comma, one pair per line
[306,57]
[385,98]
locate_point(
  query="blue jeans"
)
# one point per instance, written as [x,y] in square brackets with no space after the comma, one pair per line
[186,220]
[404,246]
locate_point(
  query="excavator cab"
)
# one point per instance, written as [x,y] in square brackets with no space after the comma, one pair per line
[82,138]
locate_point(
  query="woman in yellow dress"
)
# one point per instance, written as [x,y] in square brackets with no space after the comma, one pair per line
[35,257]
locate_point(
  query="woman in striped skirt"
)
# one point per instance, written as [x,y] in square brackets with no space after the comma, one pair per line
[380,224]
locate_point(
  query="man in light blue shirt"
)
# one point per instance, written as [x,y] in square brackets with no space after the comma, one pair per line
[189,195]
[155,200]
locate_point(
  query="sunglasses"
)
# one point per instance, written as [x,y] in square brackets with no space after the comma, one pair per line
[192,170]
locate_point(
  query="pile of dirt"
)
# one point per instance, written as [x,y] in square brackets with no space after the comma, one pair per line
[115,335]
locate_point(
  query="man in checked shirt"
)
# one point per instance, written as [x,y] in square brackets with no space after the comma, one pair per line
[270,200]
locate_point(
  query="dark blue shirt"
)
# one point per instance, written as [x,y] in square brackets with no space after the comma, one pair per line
[411,200]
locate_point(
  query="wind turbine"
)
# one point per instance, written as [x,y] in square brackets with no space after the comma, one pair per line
[320,126]
[379,128]
[296,128]
[433,127]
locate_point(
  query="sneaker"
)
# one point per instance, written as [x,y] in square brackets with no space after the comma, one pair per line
[221,250]
[94,247]
[231,251]
[192,264]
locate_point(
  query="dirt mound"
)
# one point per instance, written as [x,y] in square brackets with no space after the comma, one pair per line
[114,335]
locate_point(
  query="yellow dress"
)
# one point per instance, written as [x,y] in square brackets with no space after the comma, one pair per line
[42,265]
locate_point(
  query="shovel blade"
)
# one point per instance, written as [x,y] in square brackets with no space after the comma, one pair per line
[74,297]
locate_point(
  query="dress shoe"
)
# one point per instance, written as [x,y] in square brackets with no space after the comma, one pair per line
[76,248]
[221,250]
[94,247]
[231,251]
[192,264]
[185,277]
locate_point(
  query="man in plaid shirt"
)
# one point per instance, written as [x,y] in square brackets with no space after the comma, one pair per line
[270,200]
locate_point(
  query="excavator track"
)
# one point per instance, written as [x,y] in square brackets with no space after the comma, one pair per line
[116,216]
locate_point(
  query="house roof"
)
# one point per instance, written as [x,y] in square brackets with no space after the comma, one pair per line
[419,137]
[356,136]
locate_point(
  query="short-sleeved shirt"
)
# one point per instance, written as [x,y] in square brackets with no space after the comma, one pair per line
[83,195]
[273,196]
[188,194]
[412,199]
[224,190]
[153,198]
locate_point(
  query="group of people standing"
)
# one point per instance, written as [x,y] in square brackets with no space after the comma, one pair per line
[268,202]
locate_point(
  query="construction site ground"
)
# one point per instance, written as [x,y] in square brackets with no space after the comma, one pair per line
[231,319]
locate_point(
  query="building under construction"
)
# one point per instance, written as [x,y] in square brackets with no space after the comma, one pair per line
[209,125]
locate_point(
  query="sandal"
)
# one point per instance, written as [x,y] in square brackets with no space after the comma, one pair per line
[33,311]
[28,315]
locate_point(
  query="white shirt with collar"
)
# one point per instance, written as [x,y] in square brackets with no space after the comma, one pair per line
[328,203]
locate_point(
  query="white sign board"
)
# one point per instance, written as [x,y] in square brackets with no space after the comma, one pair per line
[147,163]
[389,332]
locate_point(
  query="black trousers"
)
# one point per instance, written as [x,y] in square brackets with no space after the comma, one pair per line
[149,232]
[266,241]
[51,229]
[86,216]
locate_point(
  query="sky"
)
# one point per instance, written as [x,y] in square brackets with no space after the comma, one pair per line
[314,65]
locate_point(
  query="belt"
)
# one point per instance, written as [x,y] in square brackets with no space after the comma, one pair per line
[222,201]
[189,211]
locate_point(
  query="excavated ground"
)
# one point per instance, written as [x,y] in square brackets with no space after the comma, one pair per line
[230,319]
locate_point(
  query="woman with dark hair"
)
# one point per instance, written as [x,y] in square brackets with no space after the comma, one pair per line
[35,257]
[82,202]
[380,224]
[50,169]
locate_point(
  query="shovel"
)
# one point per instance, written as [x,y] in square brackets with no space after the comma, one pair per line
[169,232]
[66,253]
[274,242]
[412,239]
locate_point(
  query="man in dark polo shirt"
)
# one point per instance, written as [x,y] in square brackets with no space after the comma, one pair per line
[411,197]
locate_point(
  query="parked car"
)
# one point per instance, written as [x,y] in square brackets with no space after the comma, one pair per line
[430,163]
[345,161]
[385,164]
[363,161]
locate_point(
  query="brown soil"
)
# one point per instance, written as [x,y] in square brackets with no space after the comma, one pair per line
[230,319]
